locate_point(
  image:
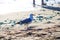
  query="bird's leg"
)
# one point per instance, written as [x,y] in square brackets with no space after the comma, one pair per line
[26,26]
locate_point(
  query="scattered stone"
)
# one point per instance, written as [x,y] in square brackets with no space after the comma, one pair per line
[29,33]
[40,18]
[58,19]
[57,37]
[39,29]
[49,22]
[57,25]
[29,29]
[43,34]
[58,13]
[1,37]
[1,23]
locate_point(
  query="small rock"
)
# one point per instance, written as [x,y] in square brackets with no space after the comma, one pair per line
[58,13]
[1,37]
[40,29]
[57,37]
[49,22]
[58,19]
[57,25]
[29,33]
[43,34]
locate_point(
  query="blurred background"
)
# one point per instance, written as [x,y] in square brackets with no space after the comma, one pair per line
[7,6]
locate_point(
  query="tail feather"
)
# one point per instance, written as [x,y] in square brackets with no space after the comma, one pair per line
[19,23]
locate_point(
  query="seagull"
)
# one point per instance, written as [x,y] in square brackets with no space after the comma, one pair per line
[26,21]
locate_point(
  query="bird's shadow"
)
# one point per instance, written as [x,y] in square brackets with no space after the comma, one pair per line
[32,28]
[29,28]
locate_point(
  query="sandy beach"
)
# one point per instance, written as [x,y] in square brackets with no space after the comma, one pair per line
[48,28]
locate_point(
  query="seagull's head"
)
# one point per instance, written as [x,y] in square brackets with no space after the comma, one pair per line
[31,16]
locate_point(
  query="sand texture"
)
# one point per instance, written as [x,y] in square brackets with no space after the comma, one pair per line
[46,28]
